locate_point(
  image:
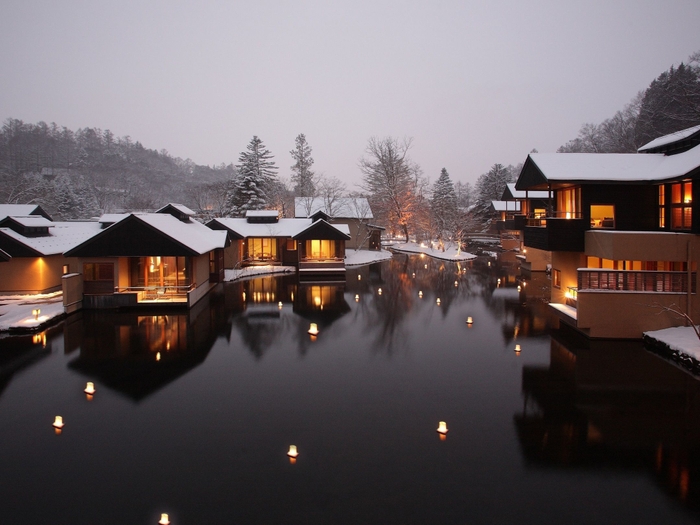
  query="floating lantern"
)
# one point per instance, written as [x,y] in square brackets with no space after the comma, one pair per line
[420,294]
[293,451]
[164,519]
[456,284]
[158,356]
[442,427]
[279,305]
[357,297]
[414,275]
[499,280]
[36,313]
[519,288]
[426,266]
[470,320]
[359,277]
[517,349]
[379,292]
[489,263]
[437,301]
[90,389]
[313,329]
[58,424]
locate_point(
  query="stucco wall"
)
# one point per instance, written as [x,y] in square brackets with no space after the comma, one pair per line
[568,264]
[642,246]
[34,274]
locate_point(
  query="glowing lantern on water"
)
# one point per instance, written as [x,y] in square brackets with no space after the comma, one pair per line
[90,389]
[437,301]
[359,277]
[158,356]
[357,298]
[519,288]
[279,305]
[442,427]
[292,453]
[379,292]
[164,519]
[456,284]
[470,320]
[517,349]
[58,424]
[313,329]
[414,275]
[420,294]
[426,266]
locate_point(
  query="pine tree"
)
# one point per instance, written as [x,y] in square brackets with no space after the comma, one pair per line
[256,175]
[303,176]
[444,203]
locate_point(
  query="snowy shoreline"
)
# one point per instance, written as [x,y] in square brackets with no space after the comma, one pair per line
[450,253]
[679,344]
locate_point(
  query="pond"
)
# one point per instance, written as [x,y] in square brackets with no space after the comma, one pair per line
[194,412]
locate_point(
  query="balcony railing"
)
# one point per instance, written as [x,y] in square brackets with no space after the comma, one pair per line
[531,220]
[157,293]
[635,281]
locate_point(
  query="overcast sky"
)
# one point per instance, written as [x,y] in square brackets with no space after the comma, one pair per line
[472,82]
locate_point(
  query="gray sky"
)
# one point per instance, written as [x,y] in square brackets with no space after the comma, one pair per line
[473,82]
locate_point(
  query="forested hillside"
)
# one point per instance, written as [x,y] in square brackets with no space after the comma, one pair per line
[83,173]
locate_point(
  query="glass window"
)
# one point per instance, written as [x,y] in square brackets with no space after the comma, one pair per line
[602,216]
[556,278]
[681,205]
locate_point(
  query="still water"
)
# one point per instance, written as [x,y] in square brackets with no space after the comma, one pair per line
[194,411]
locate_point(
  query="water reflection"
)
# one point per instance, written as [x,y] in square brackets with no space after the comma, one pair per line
[612,405]
[136,354]
[20,353]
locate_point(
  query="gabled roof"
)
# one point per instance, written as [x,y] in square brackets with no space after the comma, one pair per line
[541,169]
[660,143]
[242,229]
[323,230]
[343,208]
[22,209]
[180,208]
[141,235]
[62,237]
[28,221]
[510,193]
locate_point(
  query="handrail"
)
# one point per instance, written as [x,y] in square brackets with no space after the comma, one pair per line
[635,280]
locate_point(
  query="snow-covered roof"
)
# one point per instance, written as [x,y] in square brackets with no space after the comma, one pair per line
[522,194]
[261,213]
[62,237]
[343,208]
[16,209]
[281,228]
[194,235]
[179,207]
[670,138]
[32,221]
[111,218]
[615,167]
[506,205]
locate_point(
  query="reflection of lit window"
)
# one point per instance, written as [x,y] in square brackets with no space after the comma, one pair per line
[662,206]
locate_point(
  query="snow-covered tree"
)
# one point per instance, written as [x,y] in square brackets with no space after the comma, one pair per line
[303,176]
[443,204]
[257,173]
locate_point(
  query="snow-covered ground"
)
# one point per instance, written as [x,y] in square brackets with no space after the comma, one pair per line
[362,257]
[681,339]
[16,311]
[252,271]
[432,250]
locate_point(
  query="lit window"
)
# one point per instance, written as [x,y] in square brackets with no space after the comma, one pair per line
[556,278]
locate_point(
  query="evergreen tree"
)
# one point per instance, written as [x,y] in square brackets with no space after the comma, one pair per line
[444,203]
[302,176]
[257,174]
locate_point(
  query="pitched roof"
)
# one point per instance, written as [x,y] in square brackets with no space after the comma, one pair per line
[669,139]
[29,221]
[320,229]
[63,236]
[543,168]
[243,229]
[144,234]
[179,207]
[343,208]
[21,209]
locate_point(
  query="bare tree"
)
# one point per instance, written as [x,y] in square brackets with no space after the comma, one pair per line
[331,190]
[391,180]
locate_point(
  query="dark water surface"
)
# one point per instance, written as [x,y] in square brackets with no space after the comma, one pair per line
[195,411]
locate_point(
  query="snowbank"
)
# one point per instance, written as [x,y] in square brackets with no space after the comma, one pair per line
[252,271]
[679,344]
[361,257]
[450,253]
[16,311]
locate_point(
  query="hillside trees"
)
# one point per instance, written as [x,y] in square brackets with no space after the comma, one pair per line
[392,181]
[444,204]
